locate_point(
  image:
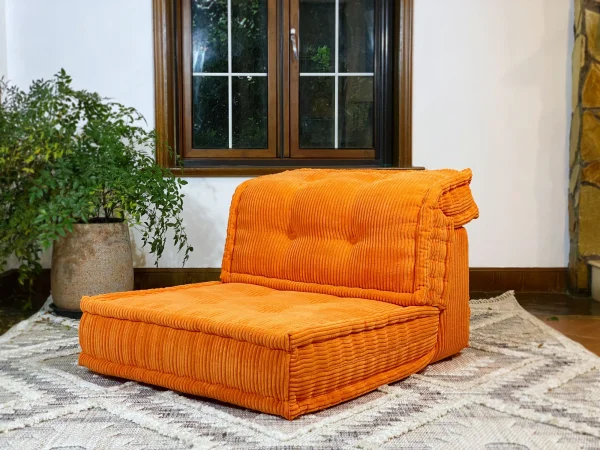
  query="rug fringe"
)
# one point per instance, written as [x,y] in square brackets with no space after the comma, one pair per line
[500,298]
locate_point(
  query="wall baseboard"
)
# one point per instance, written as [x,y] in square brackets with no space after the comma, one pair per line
[489,279]
[518,279]
[481,279]
[156,277]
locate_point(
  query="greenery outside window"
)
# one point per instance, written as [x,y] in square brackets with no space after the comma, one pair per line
[258,86]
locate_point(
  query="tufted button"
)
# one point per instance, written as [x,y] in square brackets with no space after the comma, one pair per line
[353,240]
[291,235]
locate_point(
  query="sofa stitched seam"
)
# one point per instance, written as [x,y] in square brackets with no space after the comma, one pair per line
[318,284]
[410,319]
[445,287]
[184,329]
[242,188]
[288,337]
[293,353]
[443,188]
[418,238]
[118,295]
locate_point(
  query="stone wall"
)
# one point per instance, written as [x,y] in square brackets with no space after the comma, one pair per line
[584,186]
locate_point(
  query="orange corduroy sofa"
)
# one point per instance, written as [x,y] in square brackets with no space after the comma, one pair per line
[333,283]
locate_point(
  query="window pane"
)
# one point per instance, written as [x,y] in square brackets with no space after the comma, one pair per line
[209,35]
[356,36]
[355,123]
[317,123]
[210,112]
[250,112]
[317,35]
[249,36]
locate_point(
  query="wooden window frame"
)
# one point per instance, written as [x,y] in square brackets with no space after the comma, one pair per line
[168,83]
[185,87]
[366,154]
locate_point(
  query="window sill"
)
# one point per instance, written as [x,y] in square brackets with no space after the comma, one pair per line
[232,171]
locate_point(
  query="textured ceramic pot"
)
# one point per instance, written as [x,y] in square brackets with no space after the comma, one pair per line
[94,259]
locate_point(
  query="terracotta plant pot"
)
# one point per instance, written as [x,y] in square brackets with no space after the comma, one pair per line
[94,259]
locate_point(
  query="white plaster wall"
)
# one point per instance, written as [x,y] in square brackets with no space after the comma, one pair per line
[11,263]
[3,48]
[490,92]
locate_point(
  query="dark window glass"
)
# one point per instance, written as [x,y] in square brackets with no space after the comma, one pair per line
[210,112]
[249,36]
[209,35]
[356,36]
[317,114]
[250,112]
[317,36]
[355,123]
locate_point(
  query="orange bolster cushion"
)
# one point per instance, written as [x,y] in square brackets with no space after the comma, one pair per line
[375,234]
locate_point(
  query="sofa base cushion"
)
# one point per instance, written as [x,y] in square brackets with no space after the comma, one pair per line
[280,352]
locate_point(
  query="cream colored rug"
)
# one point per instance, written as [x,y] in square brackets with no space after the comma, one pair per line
[520,385]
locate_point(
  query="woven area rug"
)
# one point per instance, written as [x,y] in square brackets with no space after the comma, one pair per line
[519,385]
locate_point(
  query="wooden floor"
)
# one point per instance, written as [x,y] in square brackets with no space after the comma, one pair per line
[576,317]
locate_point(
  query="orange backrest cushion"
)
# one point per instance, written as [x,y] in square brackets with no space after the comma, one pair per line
[377,234]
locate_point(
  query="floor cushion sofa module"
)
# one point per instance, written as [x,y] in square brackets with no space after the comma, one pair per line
[333,282]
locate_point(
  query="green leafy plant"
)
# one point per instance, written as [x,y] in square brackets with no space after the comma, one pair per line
[321,57]
[70,156]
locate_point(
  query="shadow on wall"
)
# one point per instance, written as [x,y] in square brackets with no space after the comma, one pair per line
[139,256]
[549,175]
[568,113]
[202,219]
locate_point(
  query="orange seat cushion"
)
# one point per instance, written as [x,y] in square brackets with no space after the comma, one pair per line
[281,352]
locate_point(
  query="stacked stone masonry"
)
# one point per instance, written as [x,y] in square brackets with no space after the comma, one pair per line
[584,185]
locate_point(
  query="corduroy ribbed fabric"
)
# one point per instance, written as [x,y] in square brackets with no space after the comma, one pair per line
[334,282]
[277,351]
[381,235]
[454,320]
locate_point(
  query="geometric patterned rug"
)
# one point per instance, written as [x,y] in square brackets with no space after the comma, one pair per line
[520,385]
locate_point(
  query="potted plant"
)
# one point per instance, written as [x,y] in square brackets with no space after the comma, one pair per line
[77,172]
